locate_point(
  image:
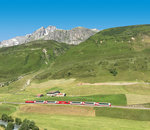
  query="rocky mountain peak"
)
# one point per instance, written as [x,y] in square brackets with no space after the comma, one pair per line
[74,36]
[50,29]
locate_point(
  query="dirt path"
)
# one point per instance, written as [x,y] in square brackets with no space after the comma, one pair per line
[128,107]
[111,83]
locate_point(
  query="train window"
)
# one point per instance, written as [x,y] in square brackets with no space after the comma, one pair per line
[103,103]
[39,101]
[50,101]
[89,102]
[76,102]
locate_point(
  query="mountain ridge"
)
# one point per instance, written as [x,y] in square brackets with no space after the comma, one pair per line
[73,36]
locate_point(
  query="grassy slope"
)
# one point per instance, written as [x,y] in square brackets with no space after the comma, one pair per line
[22,59]
[125,49]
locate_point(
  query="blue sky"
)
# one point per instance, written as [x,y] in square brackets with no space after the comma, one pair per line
[19,17]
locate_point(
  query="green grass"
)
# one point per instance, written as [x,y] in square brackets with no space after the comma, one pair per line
[54,89]
[131,114]
[7,109]
[122,95]
[55,122]
[118,99]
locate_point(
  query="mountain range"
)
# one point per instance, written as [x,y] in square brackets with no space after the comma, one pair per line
[74,36]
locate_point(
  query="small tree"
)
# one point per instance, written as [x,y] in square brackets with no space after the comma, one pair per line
[113,71]
[35,128]
[69,73]
[10,119]
[31,124]
[25,125]
[18,121]
[10,126]
[28,125]
[4,117]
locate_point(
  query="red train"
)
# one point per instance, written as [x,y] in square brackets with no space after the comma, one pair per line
[70,103]
[30,101]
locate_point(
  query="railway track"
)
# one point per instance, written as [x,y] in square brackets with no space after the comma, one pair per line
[112,106]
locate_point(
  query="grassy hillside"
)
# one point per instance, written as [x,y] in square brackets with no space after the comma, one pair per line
[121,53]
[22,59]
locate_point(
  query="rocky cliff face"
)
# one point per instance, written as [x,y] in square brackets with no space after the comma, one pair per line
[74,36]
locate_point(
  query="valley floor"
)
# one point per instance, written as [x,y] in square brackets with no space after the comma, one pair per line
[60,118]
[135,94]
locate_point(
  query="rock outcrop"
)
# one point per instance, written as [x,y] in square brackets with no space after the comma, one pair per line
[74,36]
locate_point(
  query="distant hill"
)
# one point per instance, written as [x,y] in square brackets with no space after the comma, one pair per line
[74,36]
[121,53]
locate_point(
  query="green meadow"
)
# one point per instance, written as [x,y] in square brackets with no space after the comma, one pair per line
[105,118]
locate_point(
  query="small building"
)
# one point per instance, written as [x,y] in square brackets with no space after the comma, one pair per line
[53,93]
[56,94]
[61,95]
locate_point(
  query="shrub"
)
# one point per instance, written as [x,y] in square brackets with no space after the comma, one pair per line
[18,121]
[113,72]
[10,126]
[4,117]
[24,125]
[10,119]
[35,128]
[27,124]
[31,124]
